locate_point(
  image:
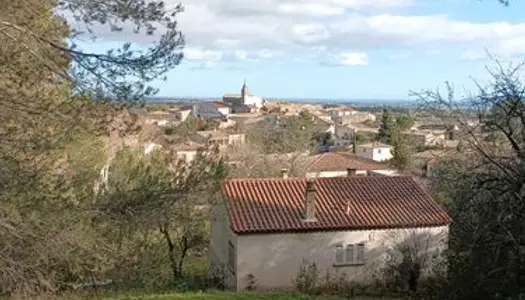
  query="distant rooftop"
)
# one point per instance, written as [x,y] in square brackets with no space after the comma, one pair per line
[375,145]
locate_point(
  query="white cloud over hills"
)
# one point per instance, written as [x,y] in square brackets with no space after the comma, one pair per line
[337,32]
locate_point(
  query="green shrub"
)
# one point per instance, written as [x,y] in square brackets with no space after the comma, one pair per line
[308,277]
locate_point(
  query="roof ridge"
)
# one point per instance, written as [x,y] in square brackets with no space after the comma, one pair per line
[264,179]
[317,160]
[318,178]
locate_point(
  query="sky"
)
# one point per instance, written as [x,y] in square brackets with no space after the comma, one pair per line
[337,49]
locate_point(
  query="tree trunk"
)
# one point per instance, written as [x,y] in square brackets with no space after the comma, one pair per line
[171,253]
[183,252]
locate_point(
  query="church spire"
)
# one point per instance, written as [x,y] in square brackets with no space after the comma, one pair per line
[244,90]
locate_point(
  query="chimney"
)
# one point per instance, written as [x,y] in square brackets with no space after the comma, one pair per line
[284,173]
[351,172]
[309,199]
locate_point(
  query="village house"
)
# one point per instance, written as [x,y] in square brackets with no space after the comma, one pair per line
[181,114]
[339,164]
[421,139]
[266,228]
[159,118]
[188,150]
[343,136]
[346,115]
[211,110]
[221,138]
[374,151]
[341,111]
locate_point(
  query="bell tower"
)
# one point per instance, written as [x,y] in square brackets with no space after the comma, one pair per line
[244,92]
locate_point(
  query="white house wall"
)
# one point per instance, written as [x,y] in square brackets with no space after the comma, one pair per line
[253,100]
[274,259]
[382,154]
[221,235]
[376,154]
[188,156]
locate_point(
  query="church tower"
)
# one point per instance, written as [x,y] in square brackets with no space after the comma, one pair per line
[244,92]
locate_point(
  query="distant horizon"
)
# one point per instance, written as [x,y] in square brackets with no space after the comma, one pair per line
[352,102]
[288,98]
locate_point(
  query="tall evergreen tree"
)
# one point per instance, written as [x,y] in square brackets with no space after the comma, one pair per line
[401,153]
[385,127]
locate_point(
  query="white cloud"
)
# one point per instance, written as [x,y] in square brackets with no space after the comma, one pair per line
[313,9]
[252,30]
[347,59]
[199,54]
[506,49]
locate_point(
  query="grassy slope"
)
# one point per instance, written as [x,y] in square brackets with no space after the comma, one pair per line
[225,296]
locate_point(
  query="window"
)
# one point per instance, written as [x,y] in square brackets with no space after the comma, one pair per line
[231,257]
[360,257]
[364,149]
[349,253]
[339,254]
[352,254]
[379,151]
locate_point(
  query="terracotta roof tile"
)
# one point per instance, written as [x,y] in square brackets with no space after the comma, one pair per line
[218,104]
[340,161]
[276,204]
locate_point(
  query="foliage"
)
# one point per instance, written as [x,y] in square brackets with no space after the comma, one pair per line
[401,152]
[289,134]
[363,137]
[307,279]
[57,134]
[487,208]
[404,122]
[252,283]
[212,295]
[385,127]
[151,193]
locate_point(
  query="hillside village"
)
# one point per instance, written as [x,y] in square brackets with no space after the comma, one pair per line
[348,136]
[107,193]
[285,157]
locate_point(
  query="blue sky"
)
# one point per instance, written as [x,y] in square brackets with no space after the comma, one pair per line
[338,49]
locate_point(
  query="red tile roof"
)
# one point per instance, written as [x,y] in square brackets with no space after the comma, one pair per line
[219,104]
[277,204]
[340,161]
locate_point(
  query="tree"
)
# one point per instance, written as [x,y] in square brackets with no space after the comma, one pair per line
[289,134]
[404,122]
[120,73]
[385,127]
[401,154]
[49,89]
[152,193]
[486,185]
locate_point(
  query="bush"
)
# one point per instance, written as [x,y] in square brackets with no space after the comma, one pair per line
[307,278]
[252,283]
